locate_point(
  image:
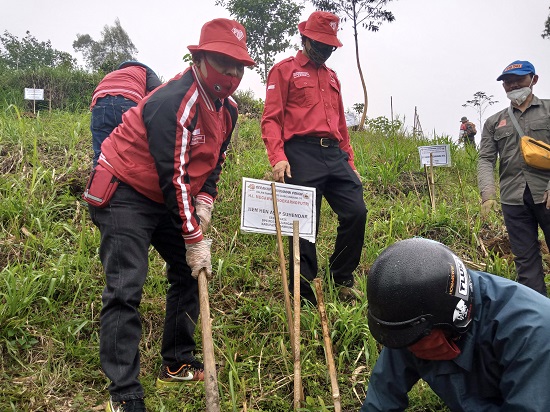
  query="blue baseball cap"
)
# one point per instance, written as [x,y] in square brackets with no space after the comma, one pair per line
[519,68]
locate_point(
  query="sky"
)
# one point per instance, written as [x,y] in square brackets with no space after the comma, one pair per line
[432,58]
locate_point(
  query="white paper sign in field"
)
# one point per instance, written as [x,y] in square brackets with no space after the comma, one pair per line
[293,203]
[34,94]
[441,155]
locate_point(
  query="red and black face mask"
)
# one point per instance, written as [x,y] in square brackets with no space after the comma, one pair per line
[218,84]
[435,346]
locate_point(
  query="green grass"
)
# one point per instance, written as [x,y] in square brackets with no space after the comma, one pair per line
[51,278]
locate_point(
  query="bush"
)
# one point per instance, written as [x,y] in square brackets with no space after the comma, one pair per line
[64,89]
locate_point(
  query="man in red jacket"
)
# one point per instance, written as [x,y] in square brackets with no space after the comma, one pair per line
[304,130]
[167,154]
[116,93]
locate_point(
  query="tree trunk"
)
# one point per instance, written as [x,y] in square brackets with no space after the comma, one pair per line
[365,95]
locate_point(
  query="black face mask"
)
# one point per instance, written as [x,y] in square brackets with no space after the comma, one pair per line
[319,52]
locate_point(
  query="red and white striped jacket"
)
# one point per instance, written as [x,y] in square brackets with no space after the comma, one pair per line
[171,147]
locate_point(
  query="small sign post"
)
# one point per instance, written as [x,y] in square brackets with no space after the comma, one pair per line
[34,95]
[294,203]
[430,156]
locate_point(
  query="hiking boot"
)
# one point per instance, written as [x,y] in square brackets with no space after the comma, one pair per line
[188,372]
[134,405]
[349,294]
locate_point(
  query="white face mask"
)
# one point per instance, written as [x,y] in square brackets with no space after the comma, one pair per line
[518,96]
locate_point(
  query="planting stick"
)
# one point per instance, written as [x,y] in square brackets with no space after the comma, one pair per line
[328,345]
[282,264]
[297,366]
[432,183]
[210,376]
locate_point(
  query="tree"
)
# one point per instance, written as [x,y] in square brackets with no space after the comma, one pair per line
[269,26]
[29,53]
[368,14]
[546,33]
[480,103]
[106,54]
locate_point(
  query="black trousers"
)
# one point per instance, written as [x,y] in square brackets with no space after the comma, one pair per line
[522,223]
[128,225]
[328,171]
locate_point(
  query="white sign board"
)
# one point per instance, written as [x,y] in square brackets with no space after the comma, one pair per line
[441,155]
[34,94]
[293,203]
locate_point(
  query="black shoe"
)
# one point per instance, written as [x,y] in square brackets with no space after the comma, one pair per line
[134,405]
[348,295]
[188,372]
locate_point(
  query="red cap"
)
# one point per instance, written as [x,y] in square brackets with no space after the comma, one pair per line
[321,26]
[224,36]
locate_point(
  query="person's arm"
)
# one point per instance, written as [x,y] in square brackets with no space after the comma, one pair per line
[391,380]
[345,144]
[488,154]
[151,81]
[274,115]
[168,134]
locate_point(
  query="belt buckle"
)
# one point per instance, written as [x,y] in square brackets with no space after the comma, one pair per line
[321,142]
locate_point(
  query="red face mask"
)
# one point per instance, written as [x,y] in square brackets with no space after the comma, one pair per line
[220,85]
[435,346]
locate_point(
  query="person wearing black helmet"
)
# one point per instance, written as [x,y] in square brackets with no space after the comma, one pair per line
[482,342]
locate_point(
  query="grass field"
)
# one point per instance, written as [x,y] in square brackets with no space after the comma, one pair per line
[51,278]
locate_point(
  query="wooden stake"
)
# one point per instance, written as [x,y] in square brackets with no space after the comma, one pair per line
[284,277]
[297,366]
[328,345]
[210,375]
[282,264]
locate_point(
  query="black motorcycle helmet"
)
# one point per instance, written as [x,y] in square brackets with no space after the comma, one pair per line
[416,285]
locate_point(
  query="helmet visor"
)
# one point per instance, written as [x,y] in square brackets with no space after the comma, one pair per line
[399,334]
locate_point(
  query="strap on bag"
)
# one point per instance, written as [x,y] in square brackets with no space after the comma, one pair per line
[515,121]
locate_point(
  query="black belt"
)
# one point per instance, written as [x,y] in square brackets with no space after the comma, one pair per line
[320,141]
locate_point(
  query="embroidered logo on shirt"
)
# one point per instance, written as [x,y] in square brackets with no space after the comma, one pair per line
[502,123]
[197,138]
[271,86]
[238,33]
[300,74]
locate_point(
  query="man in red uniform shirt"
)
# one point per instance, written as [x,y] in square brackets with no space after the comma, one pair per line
[304,130]
[167,154]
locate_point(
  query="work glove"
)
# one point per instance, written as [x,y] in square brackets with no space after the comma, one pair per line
[204,211]
[487,206]
[281,169]
[198,257]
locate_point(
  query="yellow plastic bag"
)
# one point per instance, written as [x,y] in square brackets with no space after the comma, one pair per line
[535,153]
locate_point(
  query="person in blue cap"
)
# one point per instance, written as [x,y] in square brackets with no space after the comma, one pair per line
[480,341]
[524,190]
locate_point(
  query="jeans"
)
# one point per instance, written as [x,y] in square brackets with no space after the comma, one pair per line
[328,171]
[522,223]
[128,225]
[106,116]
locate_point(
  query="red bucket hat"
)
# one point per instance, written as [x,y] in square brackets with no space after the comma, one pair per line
[224,36]
[321,26]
